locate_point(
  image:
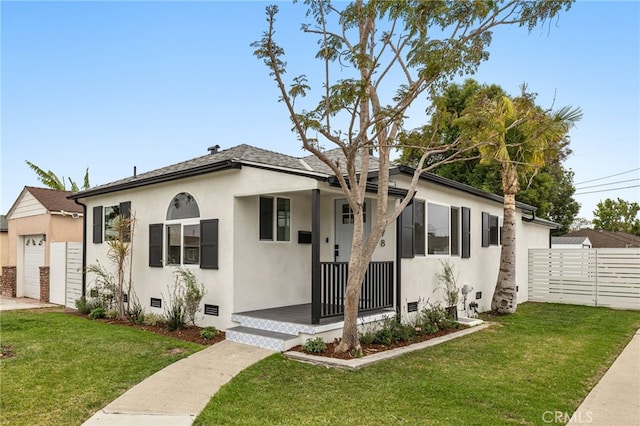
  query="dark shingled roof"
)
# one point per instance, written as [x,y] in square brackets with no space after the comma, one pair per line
[309,165]
[607,239]
[54,200]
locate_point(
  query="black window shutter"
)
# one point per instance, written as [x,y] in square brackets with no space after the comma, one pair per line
[209,244]
[125,209]
[466,232]
[418,225]
[155,245]
[97,224]
[125,212]
[485,229]
[407,233]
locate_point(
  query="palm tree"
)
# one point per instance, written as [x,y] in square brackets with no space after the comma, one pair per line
[520,136]
[52,181]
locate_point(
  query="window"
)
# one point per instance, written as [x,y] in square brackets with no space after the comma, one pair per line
[438,229]
[284,219]
[183,231]
[188,240]
[418,227]
[490,230]
[455,231]
[110,214]
[103,221]
[282,222]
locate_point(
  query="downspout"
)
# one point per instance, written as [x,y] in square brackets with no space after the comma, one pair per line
[530,219]
[84,246]
[398,267]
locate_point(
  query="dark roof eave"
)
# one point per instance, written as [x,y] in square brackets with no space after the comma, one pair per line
[463,187]
[196,171]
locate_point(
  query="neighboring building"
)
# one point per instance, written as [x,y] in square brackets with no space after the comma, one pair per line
[4,242]
[570,242]
[269,236]
[606,239]
[38,217]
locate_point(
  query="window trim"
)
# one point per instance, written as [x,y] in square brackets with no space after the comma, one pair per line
[182,223]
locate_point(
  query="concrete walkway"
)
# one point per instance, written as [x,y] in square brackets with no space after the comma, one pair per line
[176,394]
[615,400]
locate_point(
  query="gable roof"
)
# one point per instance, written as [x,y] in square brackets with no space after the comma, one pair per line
[569,240]
[53,200]
[607,239]
[310,166]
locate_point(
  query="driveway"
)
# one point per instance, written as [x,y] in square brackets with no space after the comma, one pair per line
[15,303]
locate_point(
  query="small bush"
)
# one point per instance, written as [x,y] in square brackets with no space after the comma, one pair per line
[176,316]
[383,336]
[111,314]
[152,319]
[209,333]
[83,306]
[367,338]
[315,345]
[97,313]
[135,312]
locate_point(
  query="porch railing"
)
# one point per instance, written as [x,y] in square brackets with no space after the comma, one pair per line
[376,292]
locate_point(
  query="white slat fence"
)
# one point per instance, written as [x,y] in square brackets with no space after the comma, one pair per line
[594,277]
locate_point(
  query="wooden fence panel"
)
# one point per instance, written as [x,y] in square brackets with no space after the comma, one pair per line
[595,277]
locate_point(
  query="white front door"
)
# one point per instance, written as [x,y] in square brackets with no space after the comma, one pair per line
[344,229]
[33,260]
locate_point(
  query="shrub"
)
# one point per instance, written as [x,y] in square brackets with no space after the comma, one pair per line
[209,333]
[111,314]
[193,293]
[151,319]
[97,313]
[176,316]
[368,337]
[135,312]
[383,336]
[83,306]
[315,345]
[432,318]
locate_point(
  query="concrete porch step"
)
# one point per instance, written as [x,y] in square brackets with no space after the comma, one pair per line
[262,338]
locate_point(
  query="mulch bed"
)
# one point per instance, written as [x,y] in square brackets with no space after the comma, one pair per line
[374,348]
[188,334]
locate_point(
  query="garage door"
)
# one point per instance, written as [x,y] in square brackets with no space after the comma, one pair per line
[33,260]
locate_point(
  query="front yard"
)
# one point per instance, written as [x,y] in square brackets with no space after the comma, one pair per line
[545,358]
[62,368]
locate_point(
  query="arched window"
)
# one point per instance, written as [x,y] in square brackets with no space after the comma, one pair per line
[183,206]
[183,231]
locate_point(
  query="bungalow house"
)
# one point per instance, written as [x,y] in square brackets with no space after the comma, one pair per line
[38,218]
[269,236]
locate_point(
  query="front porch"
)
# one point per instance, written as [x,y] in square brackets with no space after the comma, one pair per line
[283,327]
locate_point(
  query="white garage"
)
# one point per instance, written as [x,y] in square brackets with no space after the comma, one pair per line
[33,259]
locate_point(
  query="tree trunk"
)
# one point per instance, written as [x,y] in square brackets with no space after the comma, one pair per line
[505,296]
[350,341]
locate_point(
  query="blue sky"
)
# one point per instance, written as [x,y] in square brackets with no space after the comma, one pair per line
[113,85]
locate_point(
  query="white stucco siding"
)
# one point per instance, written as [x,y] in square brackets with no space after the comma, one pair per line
[214,195]
[480,270]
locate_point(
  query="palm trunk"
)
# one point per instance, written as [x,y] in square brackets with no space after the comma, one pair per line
[505,297]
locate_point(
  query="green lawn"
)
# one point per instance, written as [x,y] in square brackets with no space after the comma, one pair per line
[65,367]
[546,357]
